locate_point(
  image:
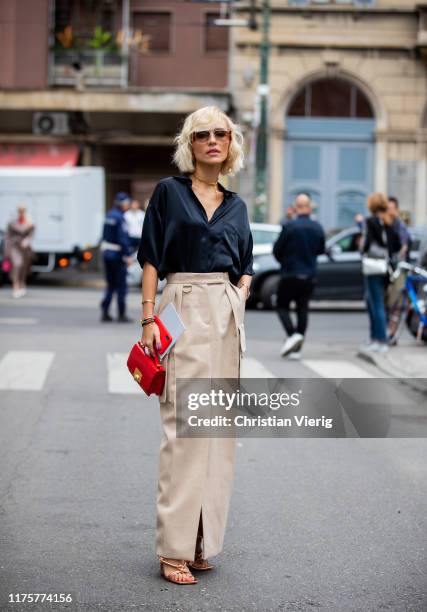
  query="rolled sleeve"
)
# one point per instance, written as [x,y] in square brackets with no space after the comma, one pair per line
[246,248]
[152,237]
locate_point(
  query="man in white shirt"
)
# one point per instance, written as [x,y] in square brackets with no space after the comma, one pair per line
[134,218]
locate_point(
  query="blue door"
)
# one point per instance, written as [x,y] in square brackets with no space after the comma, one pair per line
[332,160]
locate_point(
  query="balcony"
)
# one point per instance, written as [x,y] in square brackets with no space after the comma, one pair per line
[89,68]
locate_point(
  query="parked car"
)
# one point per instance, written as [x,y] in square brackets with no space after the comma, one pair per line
[264,236]
[134,275]
[339,271]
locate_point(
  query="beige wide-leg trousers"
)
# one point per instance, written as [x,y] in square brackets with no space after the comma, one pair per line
[195,474]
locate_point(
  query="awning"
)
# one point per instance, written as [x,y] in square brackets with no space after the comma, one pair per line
[38,154]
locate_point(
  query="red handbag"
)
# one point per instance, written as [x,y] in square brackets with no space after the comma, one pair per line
[146,370]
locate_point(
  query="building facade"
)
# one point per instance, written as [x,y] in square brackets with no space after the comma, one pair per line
[106,82]
[347,104]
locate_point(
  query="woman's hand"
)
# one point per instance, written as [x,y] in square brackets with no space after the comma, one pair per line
[151,338]
[245,289]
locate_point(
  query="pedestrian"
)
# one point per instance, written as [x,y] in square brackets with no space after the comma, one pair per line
[134,218]
[18,250]
[379,242]
[393,290]
[422,258]
[116,252]
[196,234]
[300,242]
[400,228]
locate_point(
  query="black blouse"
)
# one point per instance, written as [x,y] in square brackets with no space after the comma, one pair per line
[177,236]
[376,231]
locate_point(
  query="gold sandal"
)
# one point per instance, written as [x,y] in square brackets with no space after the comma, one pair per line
[180,568]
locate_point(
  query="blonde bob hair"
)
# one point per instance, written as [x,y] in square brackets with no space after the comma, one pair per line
[205,118]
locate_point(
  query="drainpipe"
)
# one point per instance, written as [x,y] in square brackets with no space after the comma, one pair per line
[261,187]
[124,77]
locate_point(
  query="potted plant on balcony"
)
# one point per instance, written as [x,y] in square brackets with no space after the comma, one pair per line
[67,57]
[102,43]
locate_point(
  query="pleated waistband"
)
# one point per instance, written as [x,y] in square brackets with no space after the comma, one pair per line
[198,278]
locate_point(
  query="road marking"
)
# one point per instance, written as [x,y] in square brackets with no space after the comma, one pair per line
[18,321]
[336,369]
[25,370]
[252,368]
[119,377]
[120,380]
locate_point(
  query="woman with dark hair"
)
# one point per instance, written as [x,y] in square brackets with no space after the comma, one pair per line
[380,243]
[196,235]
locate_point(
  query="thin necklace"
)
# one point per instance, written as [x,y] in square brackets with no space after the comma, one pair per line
[214,184]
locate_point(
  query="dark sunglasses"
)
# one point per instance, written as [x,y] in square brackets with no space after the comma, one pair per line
[203,135]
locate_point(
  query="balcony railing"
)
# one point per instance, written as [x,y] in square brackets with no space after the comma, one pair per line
[89,68]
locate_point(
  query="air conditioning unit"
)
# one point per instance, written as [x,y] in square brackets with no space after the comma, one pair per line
[55,124]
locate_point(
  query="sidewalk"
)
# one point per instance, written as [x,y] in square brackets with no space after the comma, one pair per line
[408,360]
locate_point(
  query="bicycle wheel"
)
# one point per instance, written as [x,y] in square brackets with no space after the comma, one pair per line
[413,323]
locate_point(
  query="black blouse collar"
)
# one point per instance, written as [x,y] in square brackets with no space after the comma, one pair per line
[185,178]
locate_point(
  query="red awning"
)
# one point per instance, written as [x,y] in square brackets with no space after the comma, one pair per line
[38,154]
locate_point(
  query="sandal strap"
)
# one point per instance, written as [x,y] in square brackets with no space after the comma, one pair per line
[176,573]
[179,567]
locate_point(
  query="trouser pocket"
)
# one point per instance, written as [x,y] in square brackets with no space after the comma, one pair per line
[242,339]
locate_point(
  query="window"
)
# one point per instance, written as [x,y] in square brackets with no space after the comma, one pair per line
[331,98]
[264,236]
[157,26]
[83,17]
[216,37]
[350,243]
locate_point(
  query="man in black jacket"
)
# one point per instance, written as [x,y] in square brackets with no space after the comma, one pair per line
[296,249]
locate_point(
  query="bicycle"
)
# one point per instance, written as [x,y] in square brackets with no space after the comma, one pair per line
[410,303]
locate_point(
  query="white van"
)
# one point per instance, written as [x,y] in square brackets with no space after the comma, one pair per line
[66,205]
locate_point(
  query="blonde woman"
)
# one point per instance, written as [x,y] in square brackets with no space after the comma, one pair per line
[18,250]
[196,235]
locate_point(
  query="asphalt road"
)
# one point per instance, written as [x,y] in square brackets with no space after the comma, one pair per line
[315,524]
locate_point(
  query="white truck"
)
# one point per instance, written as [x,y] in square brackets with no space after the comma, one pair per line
[66,205]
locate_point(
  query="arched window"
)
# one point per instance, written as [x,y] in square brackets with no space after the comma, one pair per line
[331,98]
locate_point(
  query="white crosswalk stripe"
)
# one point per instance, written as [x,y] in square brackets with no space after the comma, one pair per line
[18,321]
[252,368]
[119,377]
[36,365]
[25,370]
[336,369]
